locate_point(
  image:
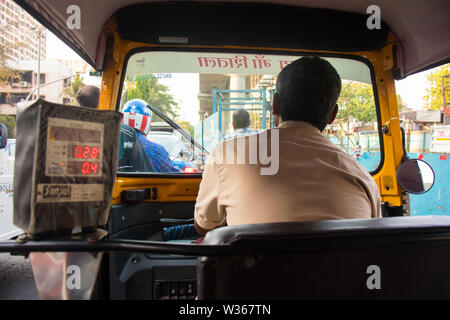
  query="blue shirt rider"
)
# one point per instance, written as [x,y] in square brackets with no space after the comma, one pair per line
[138,115]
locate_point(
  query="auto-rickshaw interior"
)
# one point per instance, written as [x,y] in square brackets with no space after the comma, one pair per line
[226,55]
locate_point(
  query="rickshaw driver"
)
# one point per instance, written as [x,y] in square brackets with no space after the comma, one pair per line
[315,181]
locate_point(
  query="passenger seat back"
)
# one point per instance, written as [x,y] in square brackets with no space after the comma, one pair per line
[389,258]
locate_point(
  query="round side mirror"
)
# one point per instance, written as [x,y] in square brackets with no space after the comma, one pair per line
[3,135]
[415,176]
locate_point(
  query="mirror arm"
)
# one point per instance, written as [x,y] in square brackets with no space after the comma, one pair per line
[405,154]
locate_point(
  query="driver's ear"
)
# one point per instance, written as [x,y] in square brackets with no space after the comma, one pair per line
[276,104]
[334,114]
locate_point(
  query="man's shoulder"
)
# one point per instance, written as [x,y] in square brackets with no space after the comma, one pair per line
[144,141]
[160,148]
[229,136]
[326,150]
[352,165]
[254,135]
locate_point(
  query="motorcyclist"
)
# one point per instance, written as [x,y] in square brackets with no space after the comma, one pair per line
[138,115]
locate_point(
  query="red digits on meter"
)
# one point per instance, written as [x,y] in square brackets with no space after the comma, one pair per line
[86,152]
[78,152]
[89,168]
[94,153]
[94,167]
[85,168]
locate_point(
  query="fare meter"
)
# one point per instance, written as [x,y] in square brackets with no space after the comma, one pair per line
[66,160]
[74,148]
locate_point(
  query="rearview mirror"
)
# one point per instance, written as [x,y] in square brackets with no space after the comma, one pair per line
[415,176]
[3,136]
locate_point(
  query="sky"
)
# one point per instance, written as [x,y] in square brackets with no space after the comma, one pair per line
[186,96]
[411,89]
[56,49]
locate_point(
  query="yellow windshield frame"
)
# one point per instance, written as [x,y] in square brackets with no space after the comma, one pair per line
[382,62]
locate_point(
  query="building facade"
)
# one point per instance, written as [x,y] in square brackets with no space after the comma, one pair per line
[19,33]
[55,77]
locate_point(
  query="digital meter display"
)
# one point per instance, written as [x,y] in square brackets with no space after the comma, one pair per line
[83,167]
[74,148]
[77,151]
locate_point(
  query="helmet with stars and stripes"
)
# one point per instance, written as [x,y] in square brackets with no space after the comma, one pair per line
[137,114]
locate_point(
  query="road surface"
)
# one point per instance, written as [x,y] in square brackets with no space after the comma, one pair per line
[16,278]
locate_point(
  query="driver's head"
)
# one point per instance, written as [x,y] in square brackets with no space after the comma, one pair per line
[137,114]
[88,96]
[307,90]
[241,119]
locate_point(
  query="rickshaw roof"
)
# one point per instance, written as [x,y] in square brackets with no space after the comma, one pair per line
[420,27]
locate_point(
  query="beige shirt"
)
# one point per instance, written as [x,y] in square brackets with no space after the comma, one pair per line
[315,181]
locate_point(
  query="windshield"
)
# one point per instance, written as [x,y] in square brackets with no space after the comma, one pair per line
[200,91]
[170,142]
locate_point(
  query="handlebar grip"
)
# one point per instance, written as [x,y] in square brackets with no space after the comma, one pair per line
[179,232]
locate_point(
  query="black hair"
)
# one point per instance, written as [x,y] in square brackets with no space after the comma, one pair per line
[308,89]
[241,118]
[88,96]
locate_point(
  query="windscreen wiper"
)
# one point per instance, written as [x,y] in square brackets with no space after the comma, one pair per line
[178,128]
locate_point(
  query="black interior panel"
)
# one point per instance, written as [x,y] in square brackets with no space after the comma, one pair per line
[249,24]
[125,216]
[146,276]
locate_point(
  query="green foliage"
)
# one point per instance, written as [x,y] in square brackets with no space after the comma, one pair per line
[187,126]
[357,100]
[10,123]
[154,93]
[434,98]
[7,74]
[77,84]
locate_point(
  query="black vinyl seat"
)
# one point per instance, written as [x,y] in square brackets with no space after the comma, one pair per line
[388,258]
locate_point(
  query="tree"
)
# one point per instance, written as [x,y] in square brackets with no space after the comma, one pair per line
[433,97]
[154,93]
[72,91]
[7,73]
[357,100]
[10,123]
[187,126]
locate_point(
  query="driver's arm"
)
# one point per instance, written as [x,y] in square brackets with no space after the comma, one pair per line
[209,213]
